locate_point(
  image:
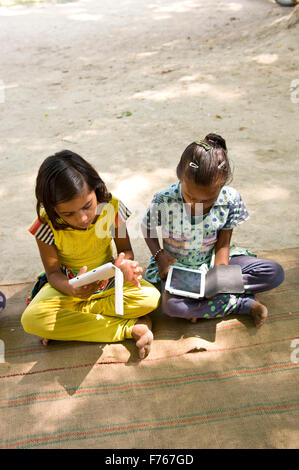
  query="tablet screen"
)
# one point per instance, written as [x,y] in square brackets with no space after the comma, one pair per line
[187,281]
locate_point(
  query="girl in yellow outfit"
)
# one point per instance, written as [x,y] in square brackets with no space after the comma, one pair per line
[77,221]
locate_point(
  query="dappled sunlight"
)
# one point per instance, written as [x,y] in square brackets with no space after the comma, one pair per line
[85,17]
[9,86]
[231,6]
[24,181]
[282,19]
[172,43]
[188,78]
[193,89]
[47,425]
[89,132]
[265,59]
[87,60]
[284,437]
[196,77]
[138,182]
[76,137]
[13,11]
[262,194]
[175,7]
[142,55]
[132,187]
[137,191]
[36,147]
[162,17]
[131,105]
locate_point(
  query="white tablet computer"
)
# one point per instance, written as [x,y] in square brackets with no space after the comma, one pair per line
[100,274]
[185,282]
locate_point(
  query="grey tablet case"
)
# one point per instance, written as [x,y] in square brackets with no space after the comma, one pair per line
[224,279]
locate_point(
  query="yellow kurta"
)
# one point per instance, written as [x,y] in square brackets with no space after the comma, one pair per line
[54,315]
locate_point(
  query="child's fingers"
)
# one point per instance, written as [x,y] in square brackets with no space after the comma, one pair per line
[121,257]
[134,278]
[136,283]
[138,272]
[88,289]
[119,260]
[82,270]
[163,274]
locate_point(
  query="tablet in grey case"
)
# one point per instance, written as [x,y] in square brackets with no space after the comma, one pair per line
[222,279]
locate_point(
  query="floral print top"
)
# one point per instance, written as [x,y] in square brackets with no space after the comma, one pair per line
[192,240]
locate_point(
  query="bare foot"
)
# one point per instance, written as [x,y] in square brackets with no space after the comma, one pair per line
[259,312]
[44,341]
[144,337]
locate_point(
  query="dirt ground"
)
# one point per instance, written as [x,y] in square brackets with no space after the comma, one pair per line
[128,84]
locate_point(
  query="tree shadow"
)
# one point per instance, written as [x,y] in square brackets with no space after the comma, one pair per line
[69,362]
[165,327]
[65,362]
[75,360]
[178,328]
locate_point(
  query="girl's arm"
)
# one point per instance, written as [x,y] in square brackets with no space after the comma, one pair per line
[123,244]
[162,259]
[51,264]
[56,278]
[152,241]
[222,247]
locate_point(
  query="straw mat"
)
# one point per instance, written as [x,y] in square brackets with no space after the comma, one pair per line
[215,384]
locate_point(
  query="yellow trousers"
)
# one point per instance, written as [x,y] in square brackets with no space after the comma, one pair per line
[54,315]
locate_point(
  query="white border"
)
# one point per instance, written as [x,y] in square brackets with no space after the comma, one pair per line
[182,292]
[102,273]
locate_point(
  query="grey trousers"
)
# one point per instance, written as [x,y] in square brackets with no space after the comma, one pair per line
[258,274]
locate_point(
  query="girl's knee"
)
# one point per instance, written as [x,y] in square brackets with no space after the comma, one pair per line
[27,320]
[30,320]
[153,299]
[277,274]
[267,273]
[170,307]
[149,298]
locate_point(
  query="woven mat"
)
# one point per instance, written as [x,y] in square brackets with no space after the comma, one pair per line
[216,384]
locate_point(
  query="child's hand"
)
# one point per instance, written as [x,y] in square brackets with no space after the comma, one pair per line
[164,261]
[84,292]
[131,269]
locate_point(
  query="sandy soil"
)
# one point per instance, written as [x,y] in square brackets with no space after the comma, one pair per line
[128,84]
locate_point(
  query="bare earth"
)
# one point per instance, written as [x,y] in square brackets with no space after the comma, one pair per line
[128,84]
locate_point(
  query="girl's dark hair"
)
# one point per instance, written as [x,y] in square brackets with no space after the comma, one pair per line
[216,141]
[61,178]
[209,161]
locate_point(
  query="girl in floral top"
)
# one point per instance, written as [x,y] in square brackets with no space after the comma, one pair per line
[197,215]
